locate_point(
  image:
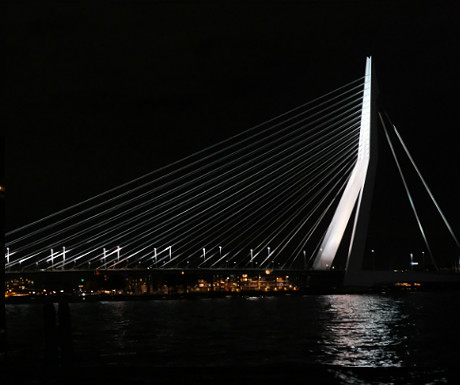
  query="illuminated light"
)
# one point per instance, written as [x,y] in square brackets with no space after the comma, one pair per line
[352,193]
[63,256]
[268,272]
[403,284]
[182,272]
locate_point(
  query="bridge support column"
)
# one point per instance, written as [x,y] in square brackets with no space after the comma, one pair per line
[357,195]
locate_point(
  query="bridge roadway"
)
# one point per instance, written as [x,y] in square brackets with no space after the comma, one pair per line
[173,271]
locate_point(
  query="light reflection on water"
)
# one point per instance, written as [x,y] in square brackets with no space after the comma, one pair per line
[408,330]
[361,331]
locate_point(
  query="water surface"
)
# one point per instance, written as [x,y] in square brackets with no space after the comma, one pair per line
[413,332]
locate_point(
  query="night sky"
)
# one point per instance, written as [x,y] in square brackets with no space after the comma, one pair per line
[101,92]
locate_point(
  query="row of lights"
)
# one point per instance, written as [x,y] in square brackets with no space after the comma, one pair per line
[53,255]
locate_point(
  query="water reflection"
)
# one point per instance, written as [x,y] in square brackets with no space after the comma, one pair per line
[339,333]
[362,330]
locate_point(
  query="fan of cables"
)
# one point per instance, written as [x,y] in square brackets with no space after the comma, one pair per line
[261,198]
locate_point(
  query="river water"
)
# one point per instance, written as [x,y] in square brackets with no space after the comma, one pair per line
[408,337]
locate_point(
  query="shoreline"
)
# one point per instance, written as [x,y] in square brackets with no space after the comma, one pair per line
[31,299]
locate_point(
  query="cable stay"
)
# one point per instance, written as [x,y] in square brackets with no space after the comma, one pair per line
[213,188]
[295,141]
[424,183]
[259,199]
[409,196]
[188,161]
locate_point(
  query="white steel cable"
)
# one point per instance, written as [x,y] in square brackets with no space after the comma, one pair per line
[70,218]
[425,184]
[75,235]
[181,160]
[409,196]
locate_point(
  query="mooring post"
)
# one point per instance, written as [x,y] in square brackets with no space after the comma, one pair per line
[65,333]
[57,335]
[50,334]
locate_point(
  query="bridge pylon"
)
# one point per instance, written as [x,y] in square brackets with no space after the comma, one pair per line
[357,195]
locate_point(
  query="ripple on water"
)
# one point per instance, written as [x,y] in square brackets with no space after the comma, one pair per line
[332,331]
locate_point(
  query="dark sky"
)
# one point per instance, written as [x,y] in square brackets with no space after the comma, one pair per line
[101,92]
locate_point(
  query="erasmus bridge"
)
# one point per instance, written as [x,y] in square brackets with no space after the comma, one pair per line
[292,194]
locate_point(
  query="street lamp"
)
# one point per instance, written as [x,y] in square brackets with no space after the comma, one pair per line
[63,257]
[104,256]
[412,263]
[52,258]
